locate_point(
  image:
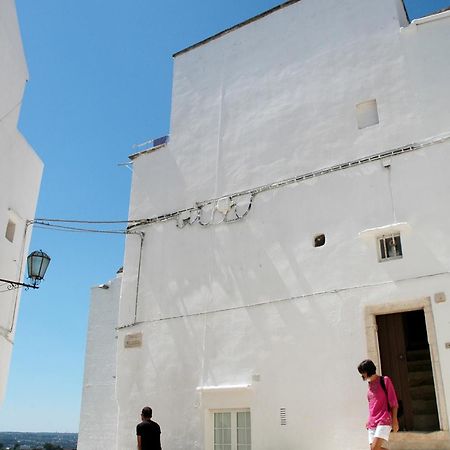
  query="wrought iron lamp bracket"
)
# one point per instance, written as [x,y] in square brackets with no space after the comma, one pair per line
[11,285]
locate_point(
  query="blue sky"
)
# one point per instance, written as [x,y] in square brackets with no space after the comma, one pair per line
[100,81]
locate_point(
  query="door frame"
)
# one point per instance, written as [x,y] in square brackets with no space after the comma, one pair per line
[373,351]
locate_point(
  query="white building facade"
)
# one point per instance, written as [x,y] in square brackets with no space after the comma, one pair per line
[296,224]
[20,178]
[98,417]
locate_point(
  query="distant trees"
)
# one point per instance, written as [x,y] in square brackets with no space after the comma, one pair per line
[47,446]
[52,447]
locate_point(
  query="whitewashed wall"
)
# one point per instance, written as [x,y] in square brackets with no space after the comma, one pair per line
[20,177]
[98,417]
[253,304]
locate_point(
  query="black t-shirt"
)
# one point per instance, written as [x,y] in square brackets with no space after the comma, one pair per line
[150,435]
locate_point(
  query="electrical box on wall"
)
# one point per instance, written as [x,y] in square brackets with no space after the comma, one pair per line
[133,340]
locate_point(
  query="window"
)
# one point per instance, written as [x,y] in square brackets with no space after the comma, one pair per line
[10,231]
[232,430]
[390,247]
[367,114]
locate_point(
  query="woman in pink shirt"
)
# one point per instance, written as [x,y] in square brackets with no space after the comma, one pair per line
[383,406]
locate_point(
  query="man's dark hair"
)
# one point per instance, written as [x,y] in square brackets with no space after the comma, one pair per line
[368,367]
[147,412]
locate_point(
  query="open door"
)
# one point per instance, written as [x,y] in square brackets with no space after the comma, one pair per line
[405,358]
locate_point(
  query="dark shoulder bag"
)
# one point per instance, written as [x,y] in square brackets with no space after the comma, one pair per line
[400,403]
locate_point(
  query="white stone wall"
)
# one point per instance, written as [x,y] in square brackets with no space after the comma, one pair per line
[252,308]
[98,417]
[20,177]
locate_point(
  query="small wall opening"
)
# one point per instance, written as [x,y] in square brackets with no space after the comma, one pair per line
[10,231]
[367,114]
[319,240]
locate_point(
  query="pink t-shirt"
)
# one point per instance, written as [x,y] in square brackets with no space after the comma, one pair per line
[379,412]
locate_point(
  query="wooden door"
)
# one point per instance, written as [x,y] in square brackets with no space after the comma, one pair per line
[391,340]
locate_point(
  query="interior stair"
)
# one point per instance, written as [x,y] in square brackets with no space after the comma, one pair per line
[426,435]
[421,386]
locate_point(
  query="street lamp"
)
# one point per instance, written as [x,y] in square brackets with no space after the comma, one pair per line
[37,264]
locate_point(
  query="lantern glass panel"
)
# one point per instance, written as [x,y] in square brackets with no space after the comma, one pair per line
[37,265]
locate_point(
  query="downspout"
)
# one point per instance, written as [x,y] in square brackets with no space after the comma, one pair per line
[142,236]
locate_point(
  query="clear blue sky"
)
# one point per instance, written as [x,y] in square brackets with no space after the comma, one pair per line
[100,81]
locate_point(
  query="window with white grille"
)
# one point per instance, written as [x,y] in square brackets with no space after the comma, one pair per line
[232,430]
[390,247]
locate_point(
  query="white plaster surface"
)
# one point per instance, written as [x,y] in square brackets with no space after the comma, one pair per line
[20,177]
[230,304]
[98,417]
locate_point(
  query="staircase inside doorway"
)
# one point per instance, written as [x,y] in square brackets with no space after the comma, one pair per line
[421,387]
[405,358]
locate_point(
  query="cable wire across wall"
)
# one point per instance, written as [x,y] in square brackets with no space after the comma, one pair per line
[228,208]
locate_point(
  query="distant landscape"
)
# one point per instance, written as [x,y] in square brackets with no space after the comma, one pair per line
[38,441]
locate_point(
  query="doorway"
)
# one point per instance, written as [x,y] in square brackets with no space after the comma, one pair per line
[405,358]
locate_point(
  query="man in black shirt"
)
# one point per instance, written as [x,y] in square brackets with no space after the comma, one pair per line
[148,432]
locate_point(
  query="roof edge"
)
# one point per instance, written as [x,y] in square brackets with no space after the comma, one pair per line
[437,15]
[143,152]
[235,27]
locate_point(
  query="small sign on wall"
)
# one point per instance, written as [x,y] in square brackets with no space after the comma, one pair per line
[133,340]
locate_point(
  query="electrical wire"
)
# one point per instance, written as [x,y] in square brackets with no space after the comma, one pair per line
[300,178]
[45,219]
[44,225]
[252,192]
[294,298]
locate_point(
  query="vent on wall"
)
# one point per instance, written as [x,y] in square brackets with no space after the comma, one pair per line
[283,419]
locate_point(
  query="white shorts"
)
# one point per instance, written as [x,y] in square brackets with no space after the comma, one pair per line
[382,432]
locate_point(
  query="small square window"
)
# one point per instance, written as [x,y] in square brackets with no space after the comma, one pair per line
[10,231]
[390,247]
[367,114]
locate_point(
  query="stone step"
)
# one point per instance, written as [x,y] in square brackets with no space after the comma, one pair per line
[422,378]
[426,422]
[424,392]
[421,406]
[418,355]
[419,366]
[439,440]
